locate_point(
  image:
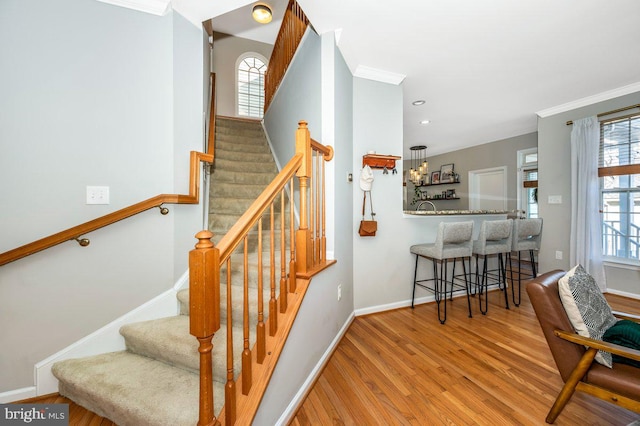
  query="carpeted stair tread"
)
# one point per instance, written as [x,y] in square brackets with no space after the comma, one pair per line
[236,300]
[133,390]
[244,177]
[156,381]
[225,127]
[221,222]
[248,145]
[168,340]
[241,190]
[233,205]
[242,156]
[237,266]
[221,164]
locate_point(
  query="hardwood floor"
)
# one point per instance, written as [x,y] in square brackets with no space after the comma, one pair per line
[402,367]
[78,415]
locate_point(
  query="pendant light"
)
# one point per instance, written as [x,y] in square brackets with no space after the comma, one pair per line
[419,171]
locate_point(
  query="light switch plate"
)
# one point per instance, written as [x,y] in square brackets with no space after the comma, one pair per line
[555,199]
[97,195]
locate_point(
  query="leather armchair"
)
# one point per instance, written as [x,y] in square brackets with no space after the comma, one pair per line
[619,385]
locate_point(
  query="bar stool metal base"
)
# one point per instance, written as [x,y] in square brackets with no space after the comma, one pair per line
[440,282]
[482,281]
[517,300]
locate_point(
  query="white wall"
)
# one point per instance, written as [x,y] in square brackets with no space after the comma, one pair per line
[318,66]
[90,101]
[299,99]
[554,165]
[380,262]
[189,115]
[226,51]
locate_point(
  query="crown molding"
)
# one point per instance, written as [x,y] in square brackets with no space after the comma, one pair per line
[590,100]
[154,7]
[378,75]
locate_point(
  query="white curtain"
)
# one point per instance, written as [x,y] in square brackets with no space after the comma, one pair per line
[586,241]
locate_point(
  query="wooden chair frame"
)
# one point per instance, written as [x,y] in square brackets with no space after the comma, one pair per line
[576,382]
[575,355]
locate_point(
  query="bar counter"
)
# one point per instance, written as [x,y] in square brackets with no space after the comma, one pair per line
[453,212]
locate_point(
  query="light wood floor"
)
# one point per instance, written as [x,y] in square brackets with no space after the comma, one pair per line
[403,367]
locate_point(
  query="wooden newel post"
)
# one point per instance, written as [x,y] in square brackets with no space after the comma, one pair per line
[304,247]
[204,315]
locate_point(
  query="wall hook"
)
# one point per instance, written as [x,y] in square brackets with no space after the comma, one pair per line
[83,241]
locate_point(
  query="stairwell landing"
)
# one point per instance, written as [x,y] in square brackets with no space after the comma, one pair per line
[155,381]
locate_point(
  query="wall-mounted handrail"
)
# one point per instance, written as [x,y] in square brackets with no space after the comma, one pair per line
[77,231]
[211,143]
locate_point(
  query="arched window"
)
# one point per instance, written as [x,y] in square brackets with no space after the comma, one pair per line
[250,85]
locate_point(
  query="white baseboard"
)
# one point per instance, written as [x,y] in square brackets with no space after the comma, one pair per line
[406,303]
[17,395]
[107,338]
[290,411]
[623,293]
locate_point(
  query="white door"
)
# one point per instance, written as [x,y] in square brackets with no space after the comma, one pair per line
[488,189]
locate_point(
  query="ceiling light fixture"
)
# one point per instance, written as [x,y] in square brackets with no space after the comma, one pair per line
[262,13]
[417,103]
[425,122]
[419,172]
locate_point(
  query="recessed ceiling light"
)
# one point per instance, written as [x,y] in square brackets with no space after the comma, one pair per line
[424,122]
[416,103]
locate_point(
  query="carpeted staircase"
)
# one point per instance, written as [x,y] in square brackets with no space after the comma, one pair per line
[155,381]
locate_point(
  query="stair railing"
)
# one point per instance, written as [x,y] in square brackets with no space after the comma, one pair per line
[301,255]
[77,232]
[294,24]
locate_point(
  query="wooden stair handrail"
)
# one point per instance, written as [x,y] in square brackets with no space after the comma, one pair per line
[326,150]
[293,27]
[207,262]
[77,231]
[235,235]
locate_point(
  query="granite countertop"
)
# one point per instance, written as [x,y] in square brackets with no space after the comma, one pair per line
[452,212]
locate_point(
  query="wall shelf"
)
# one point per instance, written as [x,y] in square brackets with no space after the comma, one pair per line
[377,161]
[435,184]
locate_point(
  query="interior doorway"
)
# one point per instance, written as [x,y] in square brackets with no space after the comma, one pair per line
[488,189]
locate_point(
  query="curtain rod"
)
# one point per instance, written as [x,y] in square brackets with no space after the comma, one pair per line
[569,123]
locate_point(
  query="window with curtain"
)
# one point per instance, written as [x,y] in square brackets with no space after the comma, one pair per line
[251,87]
[619,172]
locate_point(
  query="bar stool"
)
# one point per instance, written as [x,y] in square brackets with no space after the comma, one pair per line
[527,234]
[453,241]
[494,239]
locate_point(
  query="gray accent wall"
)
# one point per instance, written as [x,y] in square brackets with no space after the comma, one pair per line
[554,165]
[90,94]
[494,154]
